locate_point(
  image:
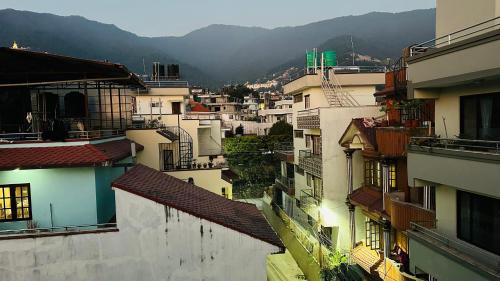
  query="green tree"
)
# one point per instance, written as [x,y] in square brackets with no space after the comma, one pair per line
[281,128]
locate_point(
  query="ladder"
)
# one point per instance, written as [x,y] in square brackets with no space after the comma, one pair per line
[336,96]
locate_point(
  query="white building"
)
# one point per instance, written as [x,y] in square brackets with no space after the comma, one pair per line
[166,230]
[282,111]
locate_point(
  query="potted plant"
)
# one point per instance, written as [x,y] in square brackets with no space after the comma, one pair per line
[198,165]
[210,161]
[205,165]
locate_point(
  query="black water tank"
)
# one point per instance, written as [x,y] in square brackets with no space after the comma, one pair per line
[173,71]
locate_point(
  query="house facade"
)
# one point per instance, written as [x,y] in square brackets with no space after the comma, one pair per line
[459,70]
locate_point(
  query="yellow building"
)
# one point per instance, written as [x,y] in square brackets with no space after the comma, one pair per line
[183,144]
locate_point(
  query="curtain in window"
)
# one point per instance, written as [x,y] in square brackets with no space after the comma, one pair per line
[486,106]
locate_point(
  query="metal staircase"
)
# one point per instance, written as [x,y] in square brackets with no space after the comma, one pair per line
[181,146]
[336,96]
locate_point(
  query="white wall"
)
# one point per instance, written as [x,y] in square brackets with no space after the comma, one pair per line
[154,243]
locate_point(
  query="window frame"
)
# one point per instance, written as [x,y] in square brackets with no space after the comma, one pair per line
[13,205]
[307,101]
[298,134]
[298,98]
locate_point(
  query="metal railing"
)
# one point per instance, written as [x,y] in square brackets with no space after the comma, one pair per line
[482,256]
[58,229]
[308,112]
[454,36]
[95,134]
[286,181]
[167,84]
[483,146]
[20,136]
[194,116]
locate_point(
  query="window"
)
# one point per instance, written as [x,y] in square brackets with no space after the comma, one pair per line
[15,202]
[176,107]
[297,98]
[372,234]
[75,105]
[392,176]
[308,179]
[480,117]
[373,173]
[298,134]
[299,170]
[308,141]
[478,221]
[317,187]
[156,104]
[223,192]
[307,101]
[316,140]
[168,159]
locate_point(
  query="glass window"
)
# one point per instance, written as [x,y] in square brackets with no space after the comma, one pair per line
[307,101]
[372,234]
[297,98]
[308,179]
[480,117]
[308,141]
[478,221]
[392,176]
[373,173]
[299,134]
[15,202]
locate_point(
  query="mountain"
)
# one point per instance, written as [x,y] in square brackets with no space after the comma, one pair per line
[218,53]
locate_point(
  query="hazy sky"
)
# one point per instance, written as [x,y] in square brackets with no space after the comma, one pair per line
[178,17]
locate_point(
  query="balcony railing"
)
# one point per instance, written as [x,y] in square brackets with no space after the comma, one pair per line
[467,32]
[287,184]
[308,119]
[310,162]
[460,145]
[97,134]
[62,230]
[458,248]
[8,137]
[404,213]
[308,201]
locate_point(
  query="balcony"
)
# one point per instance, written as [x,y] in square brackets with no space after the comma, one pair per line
[284,152]
[71,135]
[286,184]
[471,165]
[311,163]
[308,119]
[430,250]
[404,213]
[392,141]
[457,58]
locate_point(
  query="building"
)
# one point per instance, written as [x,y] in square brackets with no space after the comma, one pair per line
[184,143]
[165,228]
[323,105]
[62,139]
[282,111]
[459,69]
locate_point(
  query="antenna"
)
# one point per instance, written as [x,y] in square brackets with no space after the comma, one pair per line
[352,47]
[144,66]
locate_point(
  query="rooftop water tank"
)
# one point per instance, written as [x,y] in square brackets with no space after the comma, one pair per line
[330,58]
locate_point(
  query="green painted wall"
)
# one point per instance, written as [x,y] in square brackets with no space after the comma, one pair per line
[105,196]
[79,196]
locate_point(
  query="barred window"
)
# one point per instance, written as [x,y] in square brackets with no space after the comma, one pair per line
[297,98]
[298,134]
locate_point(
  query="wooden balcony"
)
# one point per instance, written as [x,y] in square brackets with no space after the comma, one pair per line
[403,213]
[392,141]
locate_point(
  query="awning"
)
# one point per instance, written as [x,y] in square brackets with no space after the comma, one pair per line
[28,68]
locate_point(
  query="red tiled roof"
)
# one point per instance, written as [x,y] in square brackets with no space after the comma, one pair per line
[65,156]
[170,191]
[369,198]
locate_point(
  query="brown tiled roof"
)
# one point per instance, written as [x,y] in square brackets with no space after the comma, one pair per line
[228,175]
[368,198]
[65,156]
[368,132]
[170,191]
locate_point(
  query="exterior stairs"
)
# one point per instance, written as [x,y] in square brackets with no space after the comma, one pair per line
[336,96]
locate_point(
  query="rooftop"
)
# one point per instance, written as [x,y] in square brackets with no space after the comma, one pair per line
[194,200]
[22,67]
[87,155]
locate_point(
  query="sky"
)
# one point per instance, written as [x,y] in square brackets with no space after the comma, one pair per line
[178,17]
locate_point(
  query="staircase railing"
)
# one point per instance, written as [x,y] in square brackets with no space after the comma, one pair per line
[334,92]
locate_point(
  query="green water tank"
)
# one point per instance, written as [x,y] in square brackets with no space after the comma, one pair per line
[330,58]
[311,59]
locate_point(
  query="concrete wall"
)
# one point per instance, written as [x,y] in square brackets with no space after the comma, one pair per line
[153,243]
[71,191]
[250,127]
[442,267]
[209,179]
[105,196]
[150,139]
[446,210]
[143,104]
[456,170]
[454,15]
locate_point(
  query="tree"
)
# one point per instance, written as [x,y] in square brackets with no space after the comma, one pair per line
[281,128]
[239,130]
[239,91]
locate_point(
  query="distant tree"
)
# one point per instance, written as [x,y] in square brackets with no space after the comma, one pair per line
[239,130]
[239,91]
[281,128]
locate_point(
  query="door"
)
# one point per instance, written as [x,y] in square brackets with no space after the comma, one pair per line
[168,160]
[176,107]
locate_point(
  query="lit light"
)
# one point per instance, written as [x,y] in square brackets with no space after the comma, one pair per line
[328,218]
